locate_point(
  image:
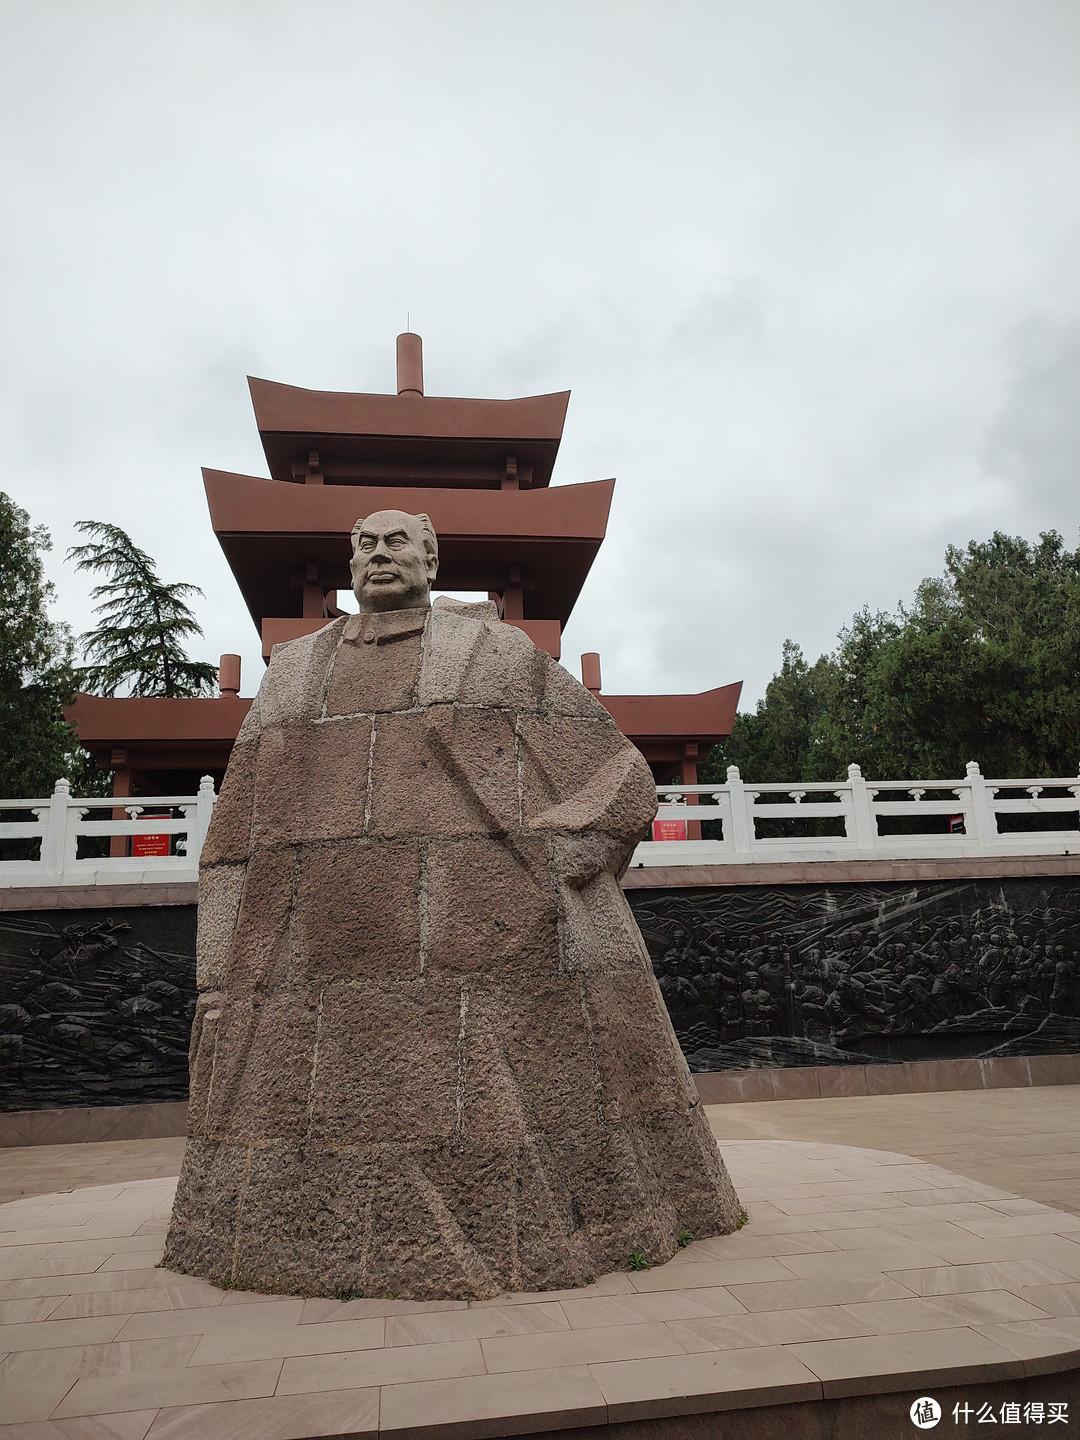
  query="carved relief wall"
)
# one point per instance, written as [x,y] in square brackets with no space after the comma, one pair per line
[856,973]
[95,1006]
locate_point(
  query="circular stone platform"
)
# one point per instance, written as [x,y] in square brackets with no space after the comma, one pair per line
[860,1273]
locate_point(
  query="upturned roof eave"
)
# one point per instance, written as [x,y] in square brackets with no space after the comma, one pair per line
[532,424]
[267,528]
[706,718]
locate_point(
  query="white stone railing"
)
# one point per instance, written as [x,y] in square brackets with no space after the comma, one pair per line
[972,808]
[60,822]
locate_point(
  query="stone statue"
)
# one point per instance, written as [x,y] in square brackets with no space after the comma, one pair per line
[429,1057]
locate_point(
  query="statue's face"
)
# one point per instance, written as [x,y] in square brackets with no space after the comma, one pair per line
[391,569]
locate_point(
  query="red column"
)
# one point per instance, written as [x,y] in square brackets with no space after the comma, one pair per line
[513,596]
[314,602]
[118,844]
[688,776]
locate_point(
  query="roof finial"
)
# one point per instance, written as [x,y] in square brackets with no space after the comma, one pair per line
[410,364]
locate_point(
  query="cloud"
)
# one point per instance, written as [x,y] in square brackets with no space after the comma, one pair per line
[1034,440]
[809,271]
[726,322]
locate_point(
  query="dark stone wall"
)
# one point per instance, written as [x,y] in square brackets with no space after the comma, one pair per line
[95,1006]
[761,975]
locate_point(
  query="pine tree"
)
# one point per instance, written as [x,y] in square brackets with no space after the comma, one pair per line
[37,676]
[139,644]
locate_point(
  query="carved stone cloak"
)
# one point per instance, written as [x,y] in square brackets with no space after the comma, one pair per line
[429,1057]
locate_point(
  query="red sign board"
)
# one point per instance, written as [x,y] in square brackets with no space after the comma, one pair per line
[146,845]
[669,829]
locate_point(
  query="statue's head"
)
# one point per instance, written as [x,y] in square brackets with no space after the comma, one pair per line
[395,559]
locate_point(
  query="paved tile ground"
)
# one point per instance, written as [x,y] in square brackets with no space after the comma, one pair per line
[860,1272]
[44,1169]
[1025,1140]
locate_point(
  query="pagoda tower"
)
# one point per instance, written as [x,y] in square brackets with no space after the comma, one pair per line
[481,469]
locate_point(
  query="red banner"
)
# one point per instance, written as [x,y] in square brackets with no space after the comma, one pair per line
[669,829]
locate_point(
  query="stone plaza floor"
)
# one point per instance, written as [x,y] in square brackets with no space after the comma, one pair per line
[895,1243]
[1026,1141]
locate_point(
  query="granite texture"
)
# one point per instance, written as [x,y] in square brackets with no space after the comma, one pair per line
[430,1057]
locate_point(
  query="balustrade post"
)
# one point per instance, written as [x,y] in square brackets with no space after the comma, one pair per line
[984,830]
[54,841]
[742,826]
[862,811]
[205,801]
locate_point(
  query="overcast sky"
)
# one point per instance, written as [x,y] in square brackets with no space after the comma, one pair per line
[810,270]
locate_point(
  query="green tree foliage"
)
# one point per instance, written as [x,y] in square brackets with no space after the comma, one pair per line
[139,645]
[984,665]
[775,742]
[37,675]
